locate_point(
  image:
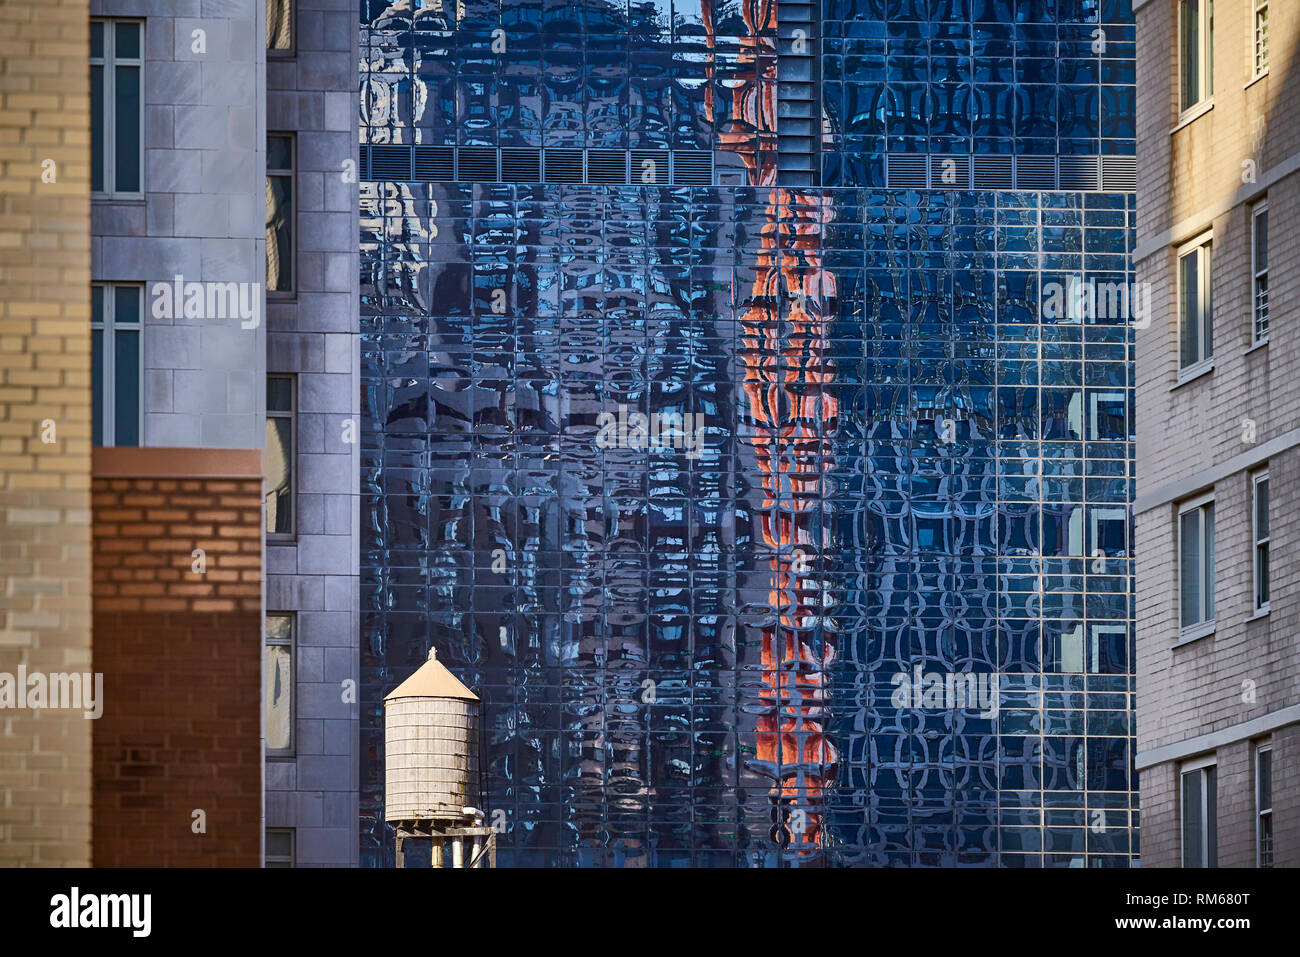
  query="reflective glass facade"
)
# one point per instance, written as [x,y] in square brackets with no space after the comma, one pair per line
[913,461]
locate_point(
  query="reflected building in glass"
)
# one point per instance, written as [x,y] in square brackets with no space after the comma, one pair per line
[745,402]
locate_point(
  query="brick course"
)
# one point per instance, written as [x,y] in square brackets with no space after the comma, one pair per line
[181,654]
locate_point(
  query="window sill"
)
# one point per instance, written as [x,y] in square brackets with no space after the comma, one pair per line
[1195,633]
[1259,613]
[1192,373]
[1262,344]
[1192,114]
[122,199]
[1255,80]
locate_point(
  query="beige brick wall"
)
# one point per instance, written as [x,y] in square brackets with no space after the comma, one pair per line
[45,758]
[1190,180]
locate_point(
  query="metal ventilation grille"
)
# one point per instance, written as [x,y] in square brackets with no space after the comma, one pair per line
[1119,173]
[563,166]
[1079,173]
[906,170]
[1035,172]
[434,164]
[992,172]
[606,166]
[949,172]
[692,169]
[521,166]
[390,163]
[650,168]
[476,164]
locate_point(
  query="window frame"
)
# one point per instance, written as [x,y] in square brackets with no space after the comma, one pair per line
[1203,248]
[1258,51]
[1204,57]
[1209,801]
[1256,211]
[292,176]
[292,415]
[1256,479]
[109,61]
[1206,624]
[109,325]
[1262,748]
[291,643]
[291,51]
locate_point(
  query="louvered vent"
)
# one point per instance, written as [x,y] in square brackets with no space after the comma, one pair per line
[950,172]
[1079,173]
[434,164]
[476,164]
[390,163]
[521,166]
[906,170]
[1035,172]
[606,166]
[563,166]
[363,162]
[650,168]
[1119,173]
[992,172]
[693,169]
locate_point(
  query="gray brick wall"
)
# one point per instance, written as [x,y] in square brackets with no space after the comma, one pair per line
[1191,181]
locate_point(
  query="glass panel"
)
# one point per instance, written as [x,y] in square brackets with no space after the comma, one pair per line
[126,120]
[97,386]
[278,24]
[1191,89]
[1193,847]
[279,235]
[279,627]
[1189,563]
[1207,583]
[278,693]
[1211,818]
[1206,298]
[279,468]
[97,38]
[279,843]
[97,159]
[279,394]
[1261,240]
[279,152]
[1190,288]
[1261,509]
[1265,780]
[126,305]
[126,388]
[128,41]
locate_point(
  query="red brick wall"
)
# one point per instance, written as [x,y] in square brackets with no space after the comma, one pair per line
[181,655]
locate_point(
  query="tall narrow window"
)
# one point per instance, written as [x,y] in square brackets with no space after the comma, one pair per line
[1259,485]
[1196,316]
[280,472]
[279,27]
[117,357]
[1200,825]
[116,98]
[277,693]
[1261,37]
[280,847]
[279,212]
[1264,805]
[1196,52]
[1259,268]
[1196,566]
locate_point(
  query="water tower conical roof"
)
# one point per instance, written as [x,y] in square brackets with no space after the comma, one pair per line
[432,680]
